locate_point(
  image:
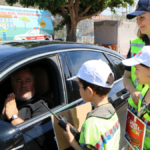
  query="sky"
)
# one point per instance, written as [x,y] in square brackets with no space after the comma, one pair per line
[119,11]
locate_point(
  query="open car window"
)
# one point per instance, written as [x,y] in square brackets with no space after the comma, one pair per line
[48,83]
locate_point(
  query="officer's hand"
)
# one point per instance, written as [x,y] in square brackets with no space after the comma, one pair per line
[69,135]
[135,97]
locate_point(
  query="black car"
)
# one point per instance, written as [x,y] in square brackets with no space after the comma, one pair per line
[53,63]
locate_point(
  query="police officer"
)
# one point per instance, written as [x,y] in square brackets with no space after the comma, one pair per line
[142,64]
[142,14]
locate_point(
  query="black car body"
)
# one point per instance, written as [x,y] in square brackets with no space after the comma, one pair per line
[53,63]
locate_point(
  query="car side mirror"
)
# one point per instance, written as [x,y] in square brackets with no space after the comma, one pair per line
[10,136]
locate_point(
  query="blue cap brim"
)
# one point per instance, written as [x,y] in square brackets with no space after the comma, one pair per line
[135,13]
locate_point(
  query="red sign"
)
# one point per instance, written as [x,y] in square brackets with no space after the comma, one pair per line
[134,131]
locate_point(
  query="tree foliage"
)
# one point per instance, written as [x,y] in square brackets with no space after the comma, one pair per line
[84,8]
[73,11]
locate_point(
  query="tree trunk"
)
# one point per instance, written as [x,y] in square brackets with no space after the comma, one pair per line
[71,31]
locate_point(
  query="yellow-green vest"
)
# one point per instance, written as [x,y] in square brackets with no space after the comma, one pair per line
[101,133]
[146,117]
[136,45]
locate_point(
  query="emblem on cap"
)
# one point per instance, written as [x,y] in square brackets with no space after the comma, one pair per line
[140,53]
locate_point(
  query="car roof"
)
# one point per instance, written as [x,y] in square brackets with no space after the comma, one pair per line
[12,51]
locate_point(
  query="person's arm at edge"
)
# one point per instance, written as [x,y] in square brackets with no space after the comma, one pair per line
[129,86]
[127,82]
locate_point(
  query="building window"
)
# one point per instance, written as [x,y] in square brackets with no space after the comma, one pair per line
[3,19]
[10,20]
[7,24]
[7,20]
[11,24]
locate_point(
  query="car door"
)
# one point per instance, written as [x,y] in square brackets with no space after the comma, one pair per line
[76,58]
[122,95]
[118,94]
[38,132]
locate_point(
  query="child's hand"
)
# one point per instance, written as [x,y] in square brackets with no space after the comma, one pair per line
[135,97]
[69,135]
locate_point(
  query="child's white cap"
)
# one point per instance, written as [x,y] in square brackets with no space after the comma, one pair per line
[95,72]
[142,57]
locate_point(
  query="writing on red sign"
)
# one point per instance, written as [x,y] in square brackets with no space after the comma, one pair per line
[134,126]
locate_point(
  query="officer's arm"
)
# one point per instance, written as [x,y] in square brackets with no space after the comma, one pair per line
[129,86]
[127,82]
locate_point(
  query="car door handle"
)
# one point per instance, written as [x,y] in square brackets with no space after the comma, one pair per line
[124,96]
[16,148]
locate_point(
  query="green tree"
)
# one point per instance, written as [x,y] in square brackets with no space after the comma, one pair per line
[73,11]
[25,20]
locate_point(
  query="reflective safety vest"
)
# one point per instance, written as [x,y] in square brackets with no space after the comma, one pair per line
[136,45]
[145,118]
[100,133]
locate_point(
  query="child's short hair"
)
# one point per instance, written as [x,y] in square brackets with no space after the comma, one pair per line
[101,91]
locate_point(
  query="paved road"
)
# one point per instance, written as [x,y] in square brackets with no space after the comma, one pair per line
[122,116]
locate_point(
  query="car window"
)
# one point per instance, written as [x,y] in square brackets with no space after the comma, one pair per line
[49,88]
[79,57]
[118,64]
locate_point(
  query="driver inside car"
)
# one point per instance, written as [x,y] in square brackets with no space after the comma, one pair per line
[20,105]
